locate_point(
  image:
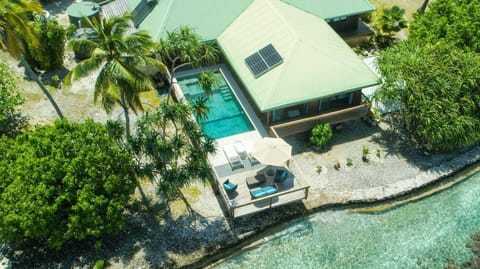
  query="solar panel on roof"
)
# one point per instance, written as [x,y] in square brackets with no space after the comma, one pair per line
[256,64]
[263,60]
[270,55]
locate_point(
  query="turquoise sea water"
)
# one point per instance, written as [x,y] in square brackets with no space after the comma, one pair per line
[423,234]
[226,116]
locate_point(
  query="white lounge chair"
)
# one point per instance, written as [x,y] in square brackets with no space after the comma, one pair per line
[232,156]
[249,149]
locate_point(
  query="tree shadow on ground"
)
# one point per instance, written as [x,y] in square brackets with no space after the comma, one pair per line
[150,231]
[389,135]
[397,141]
[344,133]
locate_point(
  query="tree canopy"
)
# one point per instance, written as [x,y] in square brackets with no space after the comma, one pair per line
[11,121]
[14,26]
[183,48]
[453,21]
[170,148]
[120,55]
[63,182]
[438,86]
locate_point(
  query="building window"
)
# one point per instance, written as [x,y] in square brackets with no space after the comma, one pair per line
[337,19]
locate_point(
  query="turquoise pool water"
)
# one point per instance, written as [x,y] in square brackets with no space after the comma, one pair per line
[226,116]
[422,234]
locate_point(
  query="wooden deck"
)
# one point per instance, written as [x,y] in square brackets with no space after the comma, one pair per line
[240,202]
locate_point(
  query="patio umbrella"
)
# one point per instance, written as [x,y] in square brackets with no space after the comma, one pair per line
[273,151]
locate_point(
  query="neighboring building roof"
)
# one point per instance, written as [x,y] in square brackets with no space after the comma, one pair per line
[316,61]
[209,18]
[115,8]
[328,9]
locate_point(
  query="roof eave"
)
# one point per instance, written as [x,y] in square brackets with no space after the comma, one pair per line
[303,101]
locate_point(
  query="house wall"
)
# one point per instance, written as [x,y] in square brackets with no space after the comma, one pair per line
[350,23]
[317,107]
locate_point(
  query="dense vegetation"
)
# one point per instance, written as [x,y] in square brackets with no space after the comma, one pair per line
[49,53]
[171,149]
[16,30]
[434,77]
[454,21]
[11,121]
[439,89]
[63,182]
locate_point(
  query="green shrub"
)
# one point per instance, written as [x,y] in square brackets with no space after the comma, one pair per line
[319,169]
[321,134]
[349,162]
[365,152]
[48,55]
[63,183]
[99,264]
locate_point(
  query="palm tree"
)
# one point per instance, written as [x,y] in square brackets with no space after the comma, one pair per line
[120,55]
[15,29]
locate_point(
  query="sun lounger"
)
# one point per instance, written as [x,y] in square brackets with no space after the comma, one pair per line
[249,150]
[232,156]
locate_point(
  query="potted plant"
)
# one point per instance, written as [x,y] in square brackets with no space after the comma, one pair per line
[336,165]
[365,152]
[349,162]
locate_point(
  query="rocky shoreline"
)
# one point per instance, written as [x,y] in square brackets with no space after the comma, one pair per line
[195,237]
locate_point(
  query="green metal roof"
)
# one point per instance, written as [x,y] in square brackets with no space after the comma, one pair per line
[327,9]
[209,18]
[316,61]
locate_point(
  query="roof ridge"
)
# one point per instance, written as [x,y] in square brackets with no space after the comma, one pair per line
[290,52]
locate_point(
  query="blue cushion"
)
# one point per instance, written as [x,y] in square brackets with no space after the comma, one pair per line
[281,174]
[229,186]
[263,191]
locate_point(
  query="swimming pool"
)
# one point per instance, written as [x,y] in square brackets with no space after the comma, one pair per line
[226,116]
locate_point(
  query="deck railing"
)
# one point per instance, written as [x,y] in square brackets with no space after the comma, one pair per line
[307,123]
[270,201]
[259,204]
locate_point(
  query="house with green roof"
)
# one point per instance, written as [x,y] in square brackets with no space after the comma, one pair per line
[288,55]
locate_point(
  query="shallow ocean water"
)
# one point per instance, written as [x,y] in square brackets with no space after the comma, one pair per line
[422,234]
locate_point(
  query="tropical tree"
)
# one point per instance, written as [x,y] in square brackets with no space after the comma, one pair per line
[63,183]
[170,148]
[119,55]
[438,88]
[182,48]
[389,22]
[49,53]
[11,121]
[456,22]
[14,29]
